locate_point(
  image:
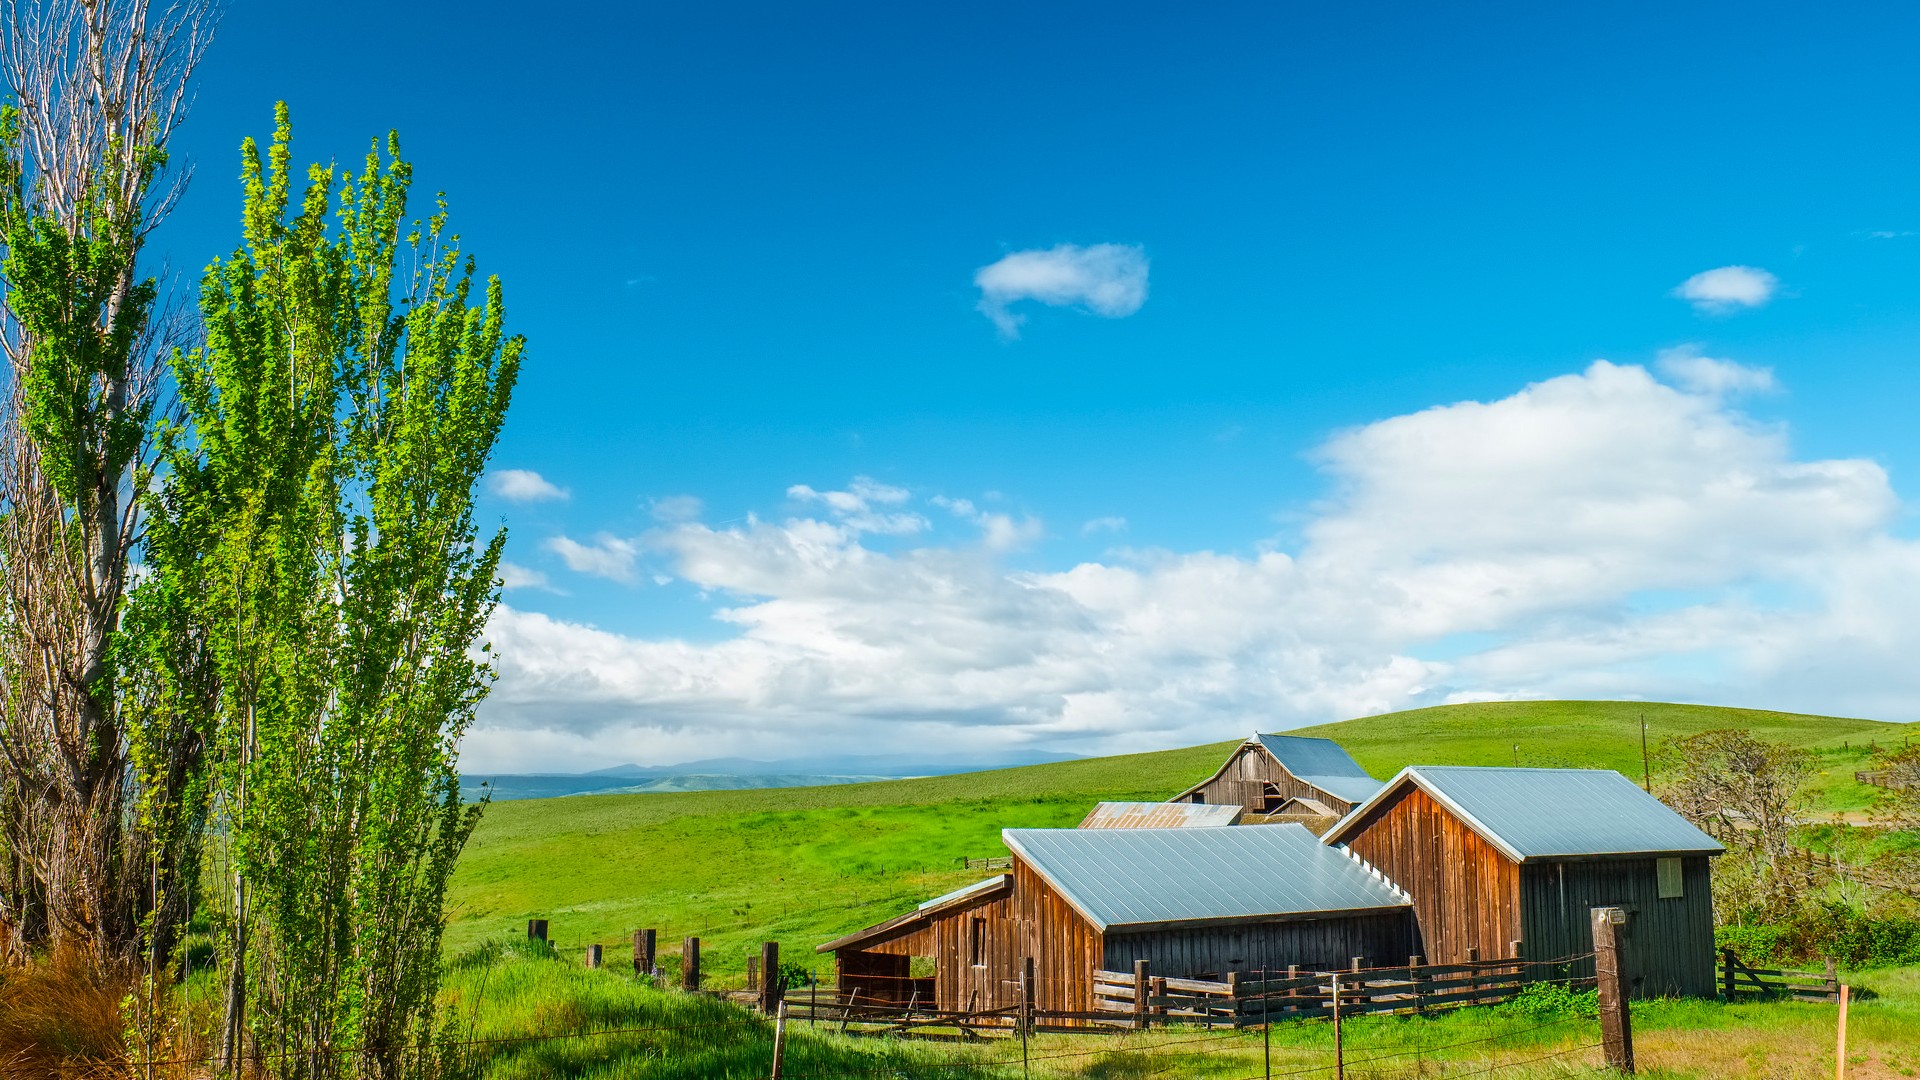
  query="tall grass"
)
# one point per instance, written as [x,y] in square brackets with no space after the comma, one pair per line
[58,1018]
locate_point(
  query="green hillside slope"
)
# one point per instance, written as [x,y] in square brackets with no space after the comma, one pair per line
[801,865]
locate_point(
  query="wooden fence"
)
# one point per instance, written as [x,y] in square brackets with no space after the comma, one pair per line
[997,862]
[1886,778]
[1242,999]
[1138,999]
[1737,980]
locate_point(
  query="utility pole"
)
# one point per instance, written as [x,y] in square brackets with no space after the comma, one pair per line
[1646,763]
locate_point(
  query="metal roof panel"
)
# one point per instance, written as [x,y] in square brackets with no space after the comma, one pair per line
[1157,815]
[1129,877]
[1554,813]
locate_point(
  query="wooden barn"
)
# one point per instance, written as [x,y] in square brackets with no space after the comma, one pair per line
[1287,778]
[1193,902]
[1499,860]
[1158,815]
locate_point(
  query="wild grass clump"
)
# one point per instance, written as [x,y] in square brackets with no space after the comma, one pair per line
[60,1018]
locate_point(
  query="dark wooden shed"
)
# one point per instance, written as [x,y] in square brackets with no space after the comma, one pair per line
[1287,778]
[1498,860]
[1195,903]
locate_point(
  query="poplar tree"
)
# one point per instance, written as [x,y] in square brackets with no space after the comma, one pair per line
[318,581]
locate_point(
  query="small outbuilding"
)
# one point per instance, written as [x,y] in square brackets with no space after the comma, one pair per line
[1507,862]
[1287,778]
[1158,815]
[1193,902]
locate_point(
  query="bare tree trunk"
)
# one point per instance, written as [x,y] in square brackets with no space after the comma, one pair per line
[101,86]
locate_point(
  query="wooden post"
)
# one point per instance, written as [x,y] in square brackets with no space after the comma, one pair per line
[1833,981]
[1140,982]
[537,930]
[753,974]
[1025,1017]
[1339,1047]
[1415,978]
[1030,991]
[593,956]
[779,1038]
[1616,1021]
[770,988]
[1157,987]
[1726,973]
[690,964]
[1359,962]
[1233,995]
[643,942]
[1840,1051]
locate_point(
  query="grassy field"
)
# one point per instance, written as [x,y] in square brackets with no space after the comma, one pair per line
[608,1024]
[803,865]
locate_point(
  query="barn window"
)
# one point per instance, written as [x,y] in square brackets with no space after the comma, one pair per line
[979,940]
[1670,881]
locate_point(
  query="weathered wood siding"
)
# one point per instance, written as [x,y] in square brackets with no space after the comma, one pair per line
[1244,778]
[1466,894]
[1667,948]
[1065,947]
[1210,952]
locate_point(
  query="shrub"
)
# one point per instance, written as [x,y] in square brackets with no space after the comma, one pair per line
[1553,1001]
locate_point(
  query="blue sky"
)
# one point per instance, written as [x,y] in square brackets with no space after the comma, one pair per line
[744,240]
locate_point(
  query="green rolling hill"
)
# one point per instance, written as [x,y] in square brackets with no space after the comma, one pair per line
[802,865]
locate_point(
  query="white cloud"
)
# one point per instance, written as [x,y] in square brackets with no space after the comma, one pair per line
[676,508]
[1706,375]
[1600,534]
[860,506]
[608,556]
[1104,524]
[1109,280]
[998,532]
[515,576]
[524,485]
[1727,288]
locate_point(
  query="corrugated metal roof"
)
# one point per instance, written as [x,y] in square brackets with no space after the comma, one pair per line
[965,891]
[906,923]
[1322,763]
[1553,813]
[1135,878]
[1159,815]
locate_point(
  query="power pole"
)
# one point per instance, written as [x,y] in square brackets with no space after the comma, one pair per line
[1646,763]
[1616,1021]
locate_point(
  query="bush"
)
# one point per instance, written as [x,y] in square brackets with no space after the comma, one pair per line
[1827,932]
[1553,1001]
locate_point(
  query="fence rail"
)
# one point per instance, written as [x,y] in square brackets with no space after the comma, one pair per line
[1258,997]
[996,862]
[1737,980]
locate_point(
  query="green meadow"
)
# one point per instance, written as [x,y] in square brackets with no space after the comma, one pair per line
[803,865]
[534,1015]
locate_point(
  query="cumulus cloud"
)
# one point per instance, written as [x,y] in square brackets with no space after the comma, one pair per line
[676,508]
[515,576]
[1727,288]
[864,506]
[1686,367]
[1606,533]
[1110,280]
[607,556]
[1104,524]
[524,485]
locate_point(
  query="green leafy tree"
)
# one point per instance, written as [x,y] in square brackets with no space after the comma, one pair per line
[318,578]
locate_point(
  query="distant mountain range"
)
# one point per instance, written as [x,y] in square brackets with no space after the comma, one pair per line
[727,774]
